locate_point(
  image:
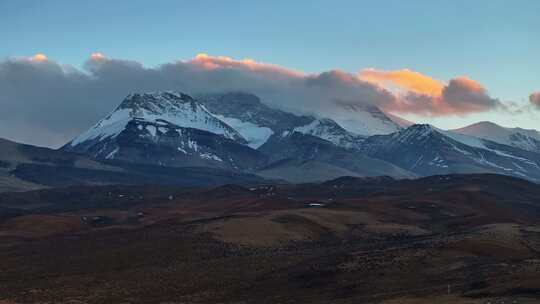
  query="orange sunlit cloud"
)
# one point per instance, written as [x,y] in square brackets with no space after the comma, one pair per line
[39,57]
[222,62]
[421,94]
[471,85]
[404,79]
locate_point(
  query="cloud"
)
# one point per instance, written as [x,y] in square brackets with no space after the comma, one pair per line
[278,86]
[46,97]
[534,99]
[222,62]
[58,101]
[420,94]
[463,95]
[39,57]
[404,79]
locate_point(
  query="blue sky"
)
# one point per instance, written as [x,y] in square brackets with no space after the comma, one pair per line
[495,42]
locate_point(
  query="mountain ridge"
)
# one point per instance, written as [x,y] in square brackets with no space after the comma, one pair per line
[237,131]
[527,139]
[426,150]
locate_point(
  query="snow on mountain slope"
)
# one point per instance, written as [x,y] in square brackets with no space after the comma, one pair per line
[254,134]
[363,120]
[108,127]
[516,137]
[249,108]
[464,139]
[402,122]
[169,129]
[165,144]
[516,154]
[257,121]
[175,108]
[328,129]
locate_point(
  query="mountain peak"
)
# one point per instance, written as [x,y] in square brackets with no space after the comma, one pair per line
[420,129]
[363,119]
[153,100]
[483,125]
[160,94]
[423,127]
[520,138]
[487,123]
[416,133]
[172,108]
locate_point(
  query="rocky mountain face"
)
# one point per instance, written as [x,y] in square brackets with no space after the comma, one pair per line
[166,129]
[257,122]
[248,108]
[173,129]
[165,144]
[425,150]
[329,130]
[174,108]
[297,156]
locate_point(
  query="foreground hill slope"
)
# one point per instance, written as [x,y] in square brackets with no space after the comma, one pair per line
[349,240]
[14,156]
[26,167]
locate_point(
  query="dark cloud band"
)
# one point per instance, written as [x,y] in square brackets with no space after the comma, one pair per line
[54,102]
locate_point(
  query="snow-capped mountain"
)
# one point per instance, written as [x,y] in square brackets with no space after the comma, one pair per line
[516,137]
[166,128]
[175,108]
[249,108]
[257,122]
[245,112]
[426,150]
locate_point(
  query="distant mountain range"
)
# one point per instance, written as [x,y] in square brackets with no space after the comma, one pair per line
[156,137]
[425,150]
